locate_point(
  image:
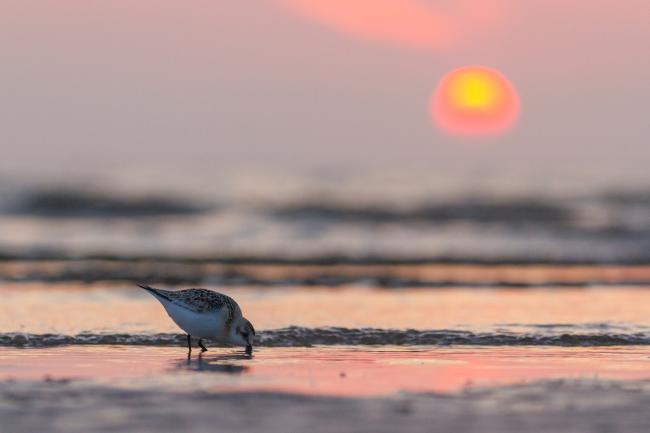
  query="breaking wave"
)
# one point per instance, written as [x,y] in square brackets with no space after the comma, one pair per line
[77,203]
[514,212]
[79,220]
[304,337]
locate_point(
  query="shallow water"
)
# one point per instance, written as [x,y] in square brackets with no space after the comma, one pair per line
[71,309]
[341,371]
[344,340]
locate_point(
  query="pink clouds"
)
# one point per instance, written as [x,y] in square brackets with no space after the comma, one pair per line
[411,23]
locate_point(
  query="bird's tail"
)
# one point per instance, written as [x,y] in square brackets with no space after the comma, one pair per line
[155,292]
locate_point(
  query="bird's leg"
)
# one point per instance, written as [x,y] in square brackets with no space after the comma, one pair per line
[189,344]
[203,349]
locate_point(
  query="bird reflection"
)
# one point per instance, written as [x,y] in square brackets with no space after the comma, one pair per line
[215,363]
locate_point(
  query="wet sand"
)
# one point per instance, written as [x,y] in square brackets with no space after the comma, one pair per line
[546,407]
[321,389]
[351,371]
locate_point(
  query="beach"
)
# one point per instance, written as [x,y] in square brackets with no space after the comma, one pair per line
[103,356]
[528,314]
[567,406]
[526,324]
[397,313]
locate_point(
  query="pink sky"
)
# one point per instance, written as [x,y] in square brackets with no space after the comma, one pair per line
[149,82]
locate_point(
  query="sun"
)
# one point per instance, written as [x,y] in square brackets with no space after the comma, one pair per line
[475,101]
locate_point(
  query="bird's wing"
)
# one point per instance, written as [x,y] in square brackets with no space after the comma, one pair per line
[197,300]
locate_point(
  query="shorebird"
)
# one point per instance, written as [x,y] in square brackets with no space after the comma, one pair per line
[206,314]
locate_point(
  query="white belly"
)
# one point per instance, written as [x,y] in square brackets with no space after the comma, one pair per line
[202,325]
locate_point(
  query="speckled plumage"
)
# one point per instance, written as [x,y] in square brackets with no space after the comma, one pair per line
[201,301]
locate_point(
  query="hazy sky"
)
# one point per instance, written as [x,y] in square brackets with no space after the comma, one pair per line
[214,83]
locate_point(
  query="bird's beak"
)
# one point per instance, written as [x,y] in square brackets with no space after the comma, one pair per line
[249,349]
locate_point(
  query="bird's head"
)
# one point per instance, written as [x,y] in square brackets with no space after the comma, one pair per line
[243,334]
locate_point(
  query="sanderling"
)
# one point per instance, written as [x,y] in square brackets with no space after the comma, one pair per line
[206,314]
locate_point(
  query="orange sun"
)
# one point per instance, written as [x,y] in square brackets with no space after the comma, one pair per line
[473,101]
